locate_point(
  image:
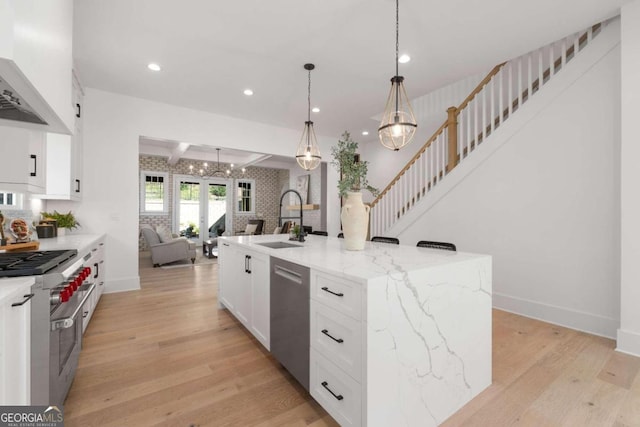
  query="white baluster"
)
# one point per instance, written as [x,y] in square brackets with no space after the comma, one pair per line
[540,69]
[492,96]
[530,78]
[552,62]
[576,45]
[520,88]
[563,59]
[476,131]
[484,114]
[510,91]
[500,95]
[589,34]
[469,136]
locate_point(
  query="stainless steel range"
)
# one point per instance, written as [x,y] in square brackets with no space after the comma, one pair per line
[63,284]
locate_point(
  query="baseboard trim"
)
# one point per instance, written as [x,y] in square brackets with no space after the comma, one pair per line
[562,316]
[122,285]
[628,342]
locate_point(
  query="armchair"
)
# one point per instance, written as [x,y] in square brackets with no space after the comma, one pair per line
[171,250]
[259,225]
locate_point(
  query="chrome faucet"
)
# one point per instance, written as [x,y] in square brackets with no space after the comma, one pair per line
[301,234]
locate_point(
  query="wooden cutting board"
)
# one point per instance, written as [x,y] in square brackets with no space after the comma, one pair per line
[21,247]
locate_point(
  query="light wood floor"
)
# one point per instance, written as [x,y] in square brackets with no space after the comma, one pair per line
[166,355]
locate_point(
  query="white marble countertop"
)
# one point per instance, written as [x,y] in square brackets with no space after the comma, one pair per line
[9,284]
[376,260]
[80,242]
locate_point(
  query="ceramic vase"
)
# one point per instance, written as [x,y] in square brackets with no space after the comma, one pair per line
[355,221]
[61,231]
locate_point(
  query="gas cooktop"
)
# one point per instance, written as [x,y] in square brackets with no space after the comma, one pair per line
[32,263]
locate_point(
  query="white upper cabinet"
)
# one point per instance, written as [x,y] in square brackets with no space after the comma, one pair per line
[64,157]
[36,63]
[24,164]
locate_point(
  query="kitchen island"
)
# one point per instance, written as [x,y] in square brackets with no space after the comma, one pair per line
[400,335]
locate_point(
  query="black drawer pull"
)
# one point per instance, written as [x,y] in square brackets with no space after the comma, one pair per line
[337,396]
[26,298]
[85,314]
[338,294]
[338,340]
[35,165]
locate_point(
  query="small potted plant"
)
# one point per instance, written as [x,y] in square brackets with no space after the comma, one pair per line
[353,178]
[64,221]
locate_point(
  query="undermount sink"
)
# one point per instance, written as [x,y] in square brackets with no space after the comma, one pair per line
[279,245]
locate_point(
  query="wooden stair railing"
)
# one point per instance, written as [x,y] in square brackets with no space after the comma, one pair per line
[451,142]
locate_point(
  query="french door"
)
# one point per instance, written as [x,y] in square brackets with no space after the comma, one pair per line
[202,208]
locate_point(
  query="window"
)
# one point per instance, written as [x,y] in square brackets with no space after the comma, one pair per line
[246,196]
[154,193]
[10,200]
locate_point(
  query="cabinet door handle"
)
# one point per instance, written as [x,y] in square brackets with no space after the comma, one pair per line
[85,314]
[26,298]
[77,185]
[246,264]
[79,110]
[249,261]
[35,164]
[338,340]
[97,266]
[337,396]
[338,294]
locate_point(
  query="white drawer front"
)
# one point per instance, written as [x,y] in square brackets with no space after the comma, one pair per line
[336,391]
[338,337]
[338,293]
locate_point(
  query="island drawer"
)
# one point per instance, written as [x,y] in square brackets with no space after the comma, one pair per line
[338,337]
[338,293]
[338,393]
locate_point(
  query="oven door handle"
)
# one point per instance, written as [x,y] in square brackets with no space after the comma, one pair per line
[67,322]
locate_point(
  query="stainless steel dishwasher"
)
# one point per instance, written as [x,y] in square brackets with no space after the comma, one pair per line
[290,317]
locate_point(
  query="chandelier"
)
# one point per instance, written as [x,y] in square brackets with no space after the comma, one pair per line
[308,154]
[204,172]
[398,123]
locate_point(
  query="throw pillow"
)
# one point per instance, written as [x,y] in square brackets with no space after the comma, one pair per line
[164,234]
[278,230]
[251,228]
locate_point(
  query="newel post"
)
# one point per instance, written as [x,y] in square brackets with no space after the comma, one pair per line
[452,127]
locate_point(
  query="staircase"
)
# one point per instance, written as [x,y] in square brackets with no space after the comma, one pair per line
[500,95]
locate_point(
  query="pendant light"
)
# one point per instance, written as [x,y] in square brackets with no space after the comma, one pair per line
[398,123]
[308,154]
[203,172]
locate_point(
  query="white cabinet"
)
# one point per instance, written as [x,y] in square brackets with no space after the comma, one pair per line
[336,347]
[244,288]
[96,263]
[64,157]
[23,160]
[15,341]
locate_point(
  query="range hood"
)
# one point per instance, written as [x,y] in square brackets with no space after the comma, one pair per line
[21,105]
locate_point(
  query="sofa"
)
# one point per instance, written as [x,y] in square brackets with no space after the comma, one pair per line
[166,248]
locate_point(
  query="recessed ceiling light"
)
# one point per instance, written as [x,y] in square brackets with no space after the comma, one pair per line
[315,109]
[153,66]
[248,92]
[404,59]
[365,133]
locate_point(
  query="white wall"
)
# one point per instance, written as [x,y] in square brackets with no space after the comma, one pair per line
[546,206]
[112,126]
[629,333]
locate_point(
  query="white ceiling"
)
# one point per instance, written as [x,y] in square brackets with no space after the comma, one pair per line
[210,51]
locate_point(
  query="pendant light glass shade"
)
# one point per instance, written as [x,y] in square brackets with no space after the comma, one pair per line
[308,154]
[398,123]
